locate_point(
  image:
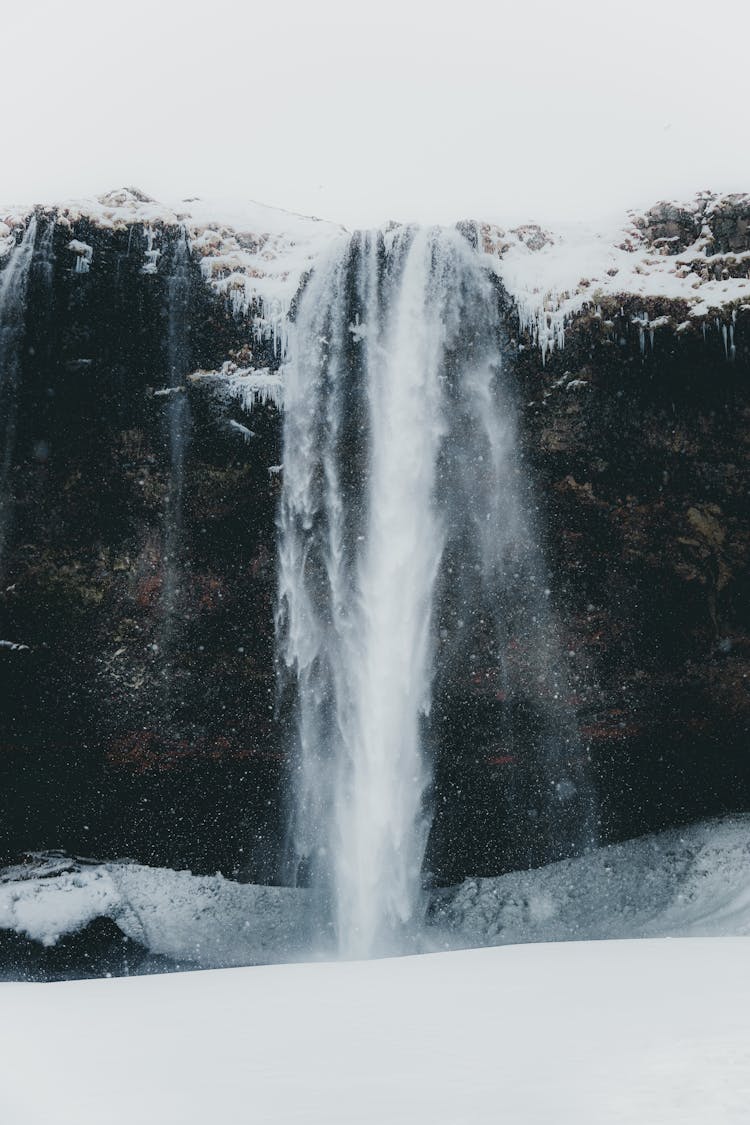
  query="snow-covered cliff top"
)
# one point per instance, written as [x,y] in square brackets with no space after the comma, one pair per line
[692,259]
[253,255]
[696,253]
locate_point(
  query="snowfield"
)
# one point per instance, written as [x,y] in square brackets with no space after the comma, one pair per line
[647,1032]
[588,1032]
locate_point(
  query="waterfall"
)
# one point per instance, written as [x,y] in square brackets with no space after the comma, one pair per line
[407,556]
[178,423]
[13,284]
[44,253]
[408,560]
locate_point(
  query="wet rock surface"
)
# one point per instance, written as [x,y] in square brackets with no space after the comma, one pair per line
[123,735]
[642,459]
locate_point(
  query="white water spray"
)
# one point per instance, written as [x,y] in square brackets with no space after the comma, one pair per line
[399,454]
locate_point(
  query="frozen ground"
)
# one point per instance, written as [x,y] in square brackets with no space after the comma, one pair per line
[689,881]
[648,1032]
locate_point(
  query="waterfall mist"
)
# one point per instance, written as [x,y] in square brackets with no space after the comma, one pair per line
[404,536]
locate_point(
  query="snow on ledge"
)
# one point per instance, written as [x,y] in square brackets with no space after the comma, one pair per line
[256,257]
[252,255]
[247,385]
[552,277]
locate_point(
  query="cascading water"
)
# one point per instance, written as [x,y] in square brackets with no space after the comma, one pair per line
[13,284]
[403,535]
[178,433]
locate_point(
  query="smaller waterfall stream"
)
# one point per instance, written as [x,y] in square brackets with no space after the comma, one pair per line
[14,279]
[178,423]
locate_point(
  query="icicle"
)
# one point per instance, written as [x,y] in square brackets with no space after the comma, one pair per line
[84,255]
[152,252]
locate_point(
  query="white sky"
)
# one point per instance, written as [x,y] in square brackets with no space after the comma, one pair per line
[362,112]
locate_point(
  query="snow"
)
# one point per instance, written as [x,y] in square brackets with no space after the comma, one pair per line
[165,392]
[253,255]
[205,919]
[639,1033]
[246,385]
[553,276]
[693,881]
[246,434]
[256,257]
[84,255]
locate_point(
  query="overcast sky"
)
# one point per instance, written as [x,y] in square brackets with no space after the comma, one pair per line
[362,112]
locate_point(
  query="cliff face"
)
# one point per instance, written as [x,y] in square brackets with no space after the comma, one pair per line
[139,568]
[643,459]
[138,715]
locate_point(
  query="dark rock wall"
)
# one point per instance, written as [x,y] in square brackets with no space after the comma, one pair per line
[140,718]
[114,739]
[641,453]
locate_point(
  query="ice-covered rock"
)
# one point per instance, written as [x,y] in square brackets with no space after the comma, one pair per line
[688,881]
[695,254]
[207,920]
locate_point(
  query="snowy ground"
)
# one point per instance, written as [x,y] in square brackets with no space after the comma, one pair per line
[690,881]
[206,920]
[648,1032]
[644,1032]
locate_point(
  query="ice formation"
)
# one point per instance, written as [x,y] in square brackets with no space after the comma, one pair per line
[256,257]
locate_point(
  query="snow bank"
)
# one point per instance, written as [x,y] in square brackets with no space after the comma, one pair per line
[638,1033]
[205,919]
[689,881]
[692,881]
